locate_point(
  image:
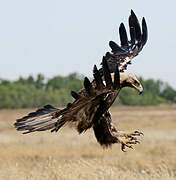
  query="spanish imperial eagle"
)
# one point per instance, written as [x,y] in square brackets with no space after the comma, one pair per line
[91,104]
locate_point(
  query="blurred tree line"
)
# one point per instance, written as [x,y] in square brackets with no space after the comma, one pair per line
[33,92]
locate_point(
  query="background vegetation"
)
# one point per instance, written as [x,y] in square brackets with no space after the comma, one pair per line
[33,92]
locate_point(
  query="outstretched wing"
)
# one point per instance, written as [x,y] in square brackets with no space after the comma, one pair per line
[123,54]
[81,111]
[84,108]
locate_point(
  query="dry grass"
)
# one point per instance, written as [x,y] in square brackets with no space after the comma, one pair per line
[69,156]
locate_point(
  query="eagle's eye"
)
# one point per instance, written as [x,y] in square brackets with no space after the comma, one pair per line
[136,83]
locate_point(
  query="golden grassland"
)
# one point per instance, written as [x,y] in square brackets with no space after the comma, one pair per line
[68,156]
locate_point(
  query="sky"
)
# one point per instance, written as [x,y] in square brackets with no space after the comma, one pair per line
[57,37]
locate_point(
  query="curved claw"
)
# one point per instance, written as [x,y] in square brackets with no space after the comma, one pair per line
[138,133]
[123,147]
[133,142]
[131,137]
[142,133]
[137,142]
[131,147]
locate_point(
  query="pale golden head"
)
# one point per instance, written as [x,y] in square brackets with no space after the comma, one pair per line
[130,80]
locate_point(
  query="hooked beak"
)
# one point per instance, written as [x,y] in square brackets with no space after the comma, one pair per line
[139,88]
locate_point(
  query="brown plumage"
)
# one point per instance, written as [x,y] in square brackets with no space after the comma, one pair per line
[90,109]
[91,104]
[81,111]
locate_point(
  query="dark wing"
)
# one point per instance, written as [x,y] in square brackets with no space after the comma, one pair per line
[120,55]
[123,54]
[88,101]
[81,111]
[51,118]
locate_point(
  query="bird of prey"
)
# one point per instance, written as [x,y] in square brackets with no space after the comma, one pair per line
[91,104]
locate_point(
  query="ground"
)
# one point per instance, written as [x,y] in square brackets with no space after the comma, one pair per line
[68,156]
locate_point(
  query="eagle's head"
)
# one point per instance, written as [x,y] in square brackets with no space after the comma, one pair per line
[130,80]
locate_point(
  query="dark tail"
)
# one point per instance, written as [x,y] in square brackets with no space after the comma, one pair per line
[43,119]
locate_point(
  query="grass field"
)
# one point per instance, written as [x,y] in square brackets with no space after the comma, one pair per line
[68,156]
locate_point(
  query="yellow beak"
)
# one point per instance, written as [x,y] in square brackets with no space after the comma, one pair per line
[139,88]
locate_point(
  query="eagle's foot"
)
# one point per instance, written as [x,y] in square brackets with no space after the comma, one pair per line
[129,140]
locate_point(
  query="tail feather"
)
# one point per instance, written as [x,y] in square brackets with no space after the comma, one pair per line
[40,112]
[41,120]
[43,128]
[58,125]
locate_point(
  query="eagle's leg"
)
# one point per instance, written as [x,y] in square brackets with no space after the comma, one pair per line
[127,139]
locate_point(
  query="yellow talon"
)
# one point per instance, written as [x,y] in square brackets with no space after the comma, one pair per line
[135,133]
[130,139]
[125,145]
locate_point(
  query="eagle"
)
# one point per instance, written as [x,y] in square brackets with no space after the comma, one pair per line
[90,108]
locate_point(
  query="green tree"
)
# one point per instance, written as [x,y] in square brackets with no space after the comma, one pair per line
[33,92]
